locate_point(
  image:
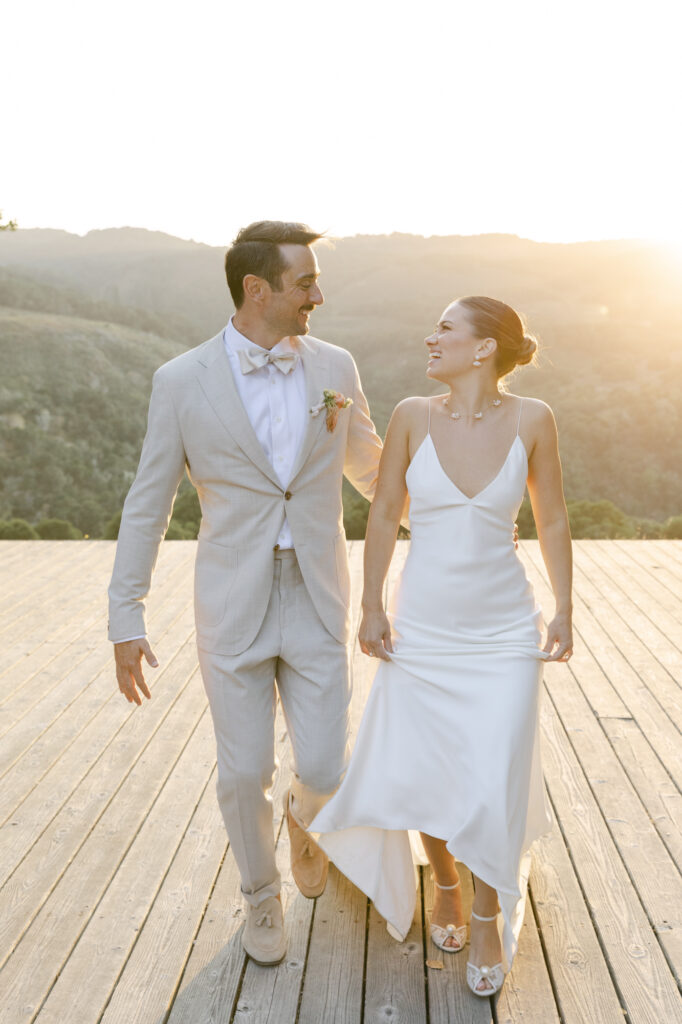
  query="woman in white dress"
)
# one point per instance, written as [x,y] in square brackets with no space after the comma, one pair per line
[449,741]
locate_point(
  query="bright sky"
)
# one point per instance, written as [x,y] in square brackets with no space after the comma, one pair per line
[555,121]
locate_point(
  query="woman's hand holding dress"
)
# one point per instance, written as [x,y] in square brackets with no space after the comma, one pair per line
[375,634]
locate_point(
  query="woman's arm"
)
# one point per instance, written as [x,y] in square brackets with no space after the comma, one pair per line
[382,530]
[546,492]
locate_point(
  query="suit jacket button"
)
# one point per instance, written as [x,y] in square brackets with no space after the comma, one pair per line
[287,495]
[276,547]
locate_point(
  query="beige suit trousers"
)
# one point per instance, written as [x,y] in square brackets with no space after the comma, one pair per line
[293,655]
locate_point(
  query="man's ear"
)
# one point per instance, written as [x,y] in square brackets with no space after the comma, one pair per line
[255,288]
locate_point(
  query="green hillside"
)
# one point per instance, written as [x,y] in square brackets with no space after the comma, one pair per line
[73,408]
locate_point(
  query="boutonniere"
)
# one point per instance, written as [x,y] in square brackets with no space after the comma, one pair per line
[333,402]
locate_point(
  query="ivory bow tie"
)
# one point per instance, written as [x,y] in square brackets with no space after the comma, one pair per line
[253,358]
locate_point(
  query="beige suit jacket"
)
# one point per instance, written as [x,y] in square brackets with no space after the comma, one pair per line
[197,421]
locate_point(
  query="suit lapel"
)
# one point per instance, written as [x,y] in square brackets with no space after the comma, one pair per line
[316,370]
[221,392]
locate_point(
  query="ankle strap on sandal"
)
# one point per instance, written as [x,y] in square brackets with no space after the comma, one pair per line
[446,887]
[479,918]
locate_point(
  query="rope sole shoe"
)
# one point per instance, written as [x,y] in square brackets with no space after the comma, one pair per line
[309,864]
[263,936]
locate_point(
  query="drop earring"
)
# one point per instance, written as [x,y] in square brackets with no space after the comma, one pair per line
[477,362]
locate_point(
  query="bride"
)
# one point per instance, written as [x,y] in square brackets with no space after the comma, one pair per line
[449,741]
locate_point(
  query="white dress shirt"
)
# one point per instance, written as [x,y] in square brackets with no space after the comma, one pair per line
[275,403]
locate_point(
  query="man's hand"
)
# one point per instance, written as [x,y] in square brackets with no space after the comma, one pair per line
[128,657]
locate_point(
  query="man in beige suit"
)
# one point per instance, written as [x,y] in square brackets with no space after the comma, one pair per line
[266,422]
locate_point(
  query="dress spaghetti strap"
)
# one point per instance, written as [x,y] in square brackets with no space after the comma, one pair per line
[518,422]
[428,425]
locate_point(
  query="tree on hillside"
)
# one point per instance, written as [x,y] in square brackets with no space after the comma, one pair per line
[11,225]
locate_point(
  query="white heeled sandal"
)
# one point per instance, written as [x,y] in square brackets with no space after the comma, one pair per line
[493,975]
[439,935]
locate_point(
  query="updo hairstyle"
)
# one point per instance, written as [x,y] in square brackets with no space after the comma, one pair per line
[490,318]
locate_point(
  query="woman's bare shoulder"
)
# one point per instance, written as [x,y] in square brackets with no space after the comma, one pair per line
[535,410]
[410,410]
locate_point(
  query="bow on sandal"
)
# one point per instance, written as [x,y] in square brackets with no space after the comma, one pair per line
[494,976]
[440,936]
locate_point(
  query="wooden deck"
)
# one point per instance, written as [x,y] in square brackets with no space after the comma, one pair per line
[119,894]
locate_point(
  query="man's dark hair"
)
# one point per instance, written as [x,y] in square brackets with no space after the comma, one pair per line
[256,250]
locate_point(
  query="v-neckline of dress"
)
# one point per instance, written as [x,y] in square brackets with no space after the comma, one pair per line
[452,482]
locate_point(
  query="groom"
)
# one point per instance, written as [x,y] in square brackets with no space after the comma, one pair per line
[266,422]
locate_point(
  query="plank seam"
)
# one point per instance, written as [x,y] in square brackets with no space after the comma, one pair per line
[363,990]
[545,954]
[299,1001]
[427,1006]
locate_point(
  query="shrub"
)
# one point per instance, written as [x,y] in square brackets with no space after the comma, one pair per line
[595,519]
[672,528]
[177,532]
[112,527]
[58,529]
[17,529]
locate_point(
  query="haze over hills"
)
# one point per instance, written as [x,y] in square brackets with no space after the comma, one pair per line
[85,321]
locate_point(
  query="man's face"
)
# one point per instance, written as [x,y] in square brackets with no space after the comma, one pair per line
[288,309]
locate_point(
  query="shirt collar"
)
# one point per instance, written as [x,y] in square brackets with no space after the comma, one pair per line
[235,340]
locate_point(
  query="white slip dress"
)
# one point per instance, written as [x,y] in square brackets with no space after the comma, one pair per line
[449,740]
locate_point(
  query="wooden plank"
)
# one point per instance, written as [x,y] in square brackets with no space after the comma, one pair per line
[33,675]
[216,964]
[87,979]
[656,790]
[332,987]
[654,786]
[44,953]
[29,820]
[651,597]
[668,549]
[648,863]
[146,987]
[631,621]
[20,597]
[114,795]
[667,574]
[17,557]
[63,684]
[579,971]
[527,991]
[645,984]
[593,620]
[395,989]
[24,563]
[44,627]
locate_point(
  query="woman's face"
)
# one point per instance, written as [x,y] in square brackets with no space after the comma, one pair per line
[452,346]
